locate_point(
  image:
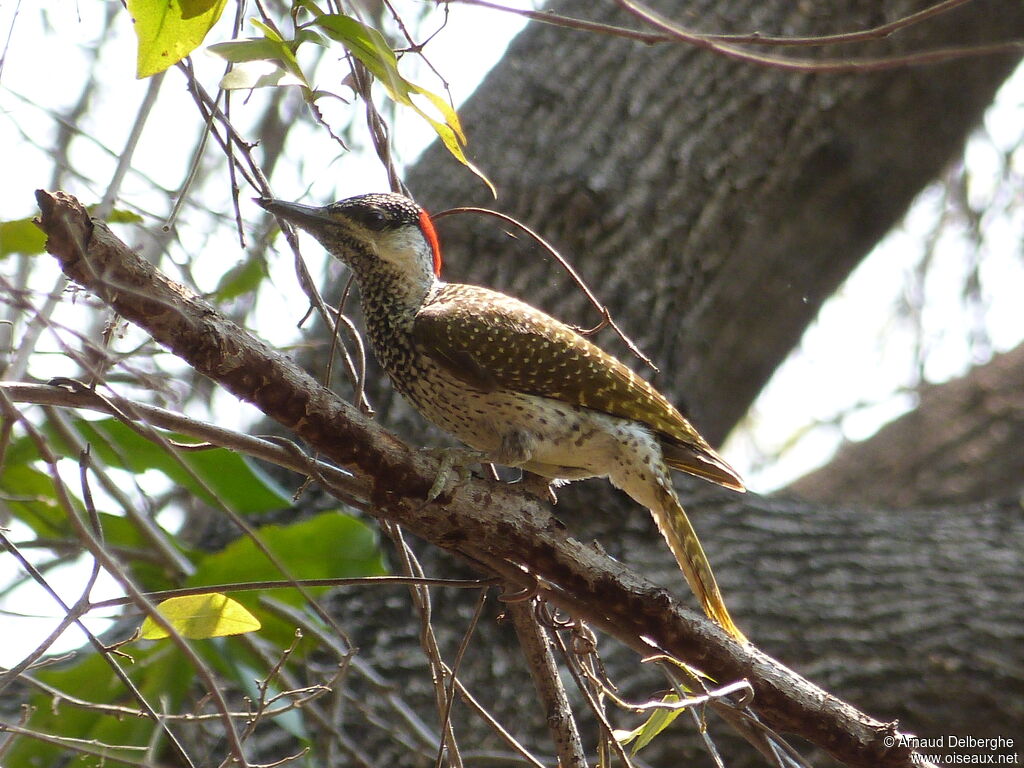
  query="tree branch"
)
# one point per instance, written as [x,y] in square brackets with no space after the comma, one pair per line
[483,521]
[536,645]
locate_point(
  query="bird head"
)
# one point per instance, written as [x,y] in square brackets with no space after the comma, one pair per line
[369,233]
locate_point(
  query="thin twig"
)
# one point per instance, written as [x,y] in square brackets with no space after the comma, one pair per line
[92,747]
[497,726]
[263,685]
[95,547]
[818,66]
[574,665]
[426,739]
[536,645]
[127,154]
[428,642]
[726,45]
[453,671]
[361,400]
[75,613]
[302,697]
[276,451]
[605,312]
[256,586]
[751,38]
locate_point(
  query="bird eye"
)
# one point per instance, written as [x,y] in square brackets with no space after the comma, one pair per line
[374,218]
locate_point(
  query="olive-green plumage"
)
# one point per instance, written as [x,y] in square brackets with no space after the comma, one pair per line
[498,342]
[511,381]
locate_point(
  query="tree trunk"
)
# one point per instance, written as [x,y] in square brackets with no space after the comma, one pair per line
[714,206]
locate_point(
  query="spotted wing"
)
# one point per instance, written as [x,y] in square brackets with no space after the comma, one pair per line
[492,341]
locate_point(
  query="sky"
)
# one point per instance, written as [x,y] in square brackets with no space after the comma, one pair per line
[849,376]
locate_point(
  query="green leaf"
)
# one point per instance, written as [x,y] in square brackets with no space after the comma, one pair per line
[31,497]
[330,545]
[231,478]
[450,133]
[199,617]
[169,30]
[659,720]
[310,6]
[369,46]
[258,74]
[451,119]
[268,29]
[244,277]
[23,236]
[159,674]
[20,236]
[307,35]
[119,216]
[252,49]
[273,50]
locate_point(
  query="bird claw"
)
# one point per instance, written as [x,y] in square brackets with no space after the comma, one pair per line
[539,486]
[451,460]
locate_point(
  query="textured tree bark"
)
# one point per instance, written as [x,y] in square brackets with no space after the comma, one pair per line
[714,206]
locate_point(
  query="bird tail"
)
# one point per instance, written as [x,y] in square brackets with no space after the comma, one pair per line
[682,540]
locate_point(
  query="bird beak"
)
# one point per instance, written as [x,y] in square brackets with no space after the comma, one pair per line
[304,216]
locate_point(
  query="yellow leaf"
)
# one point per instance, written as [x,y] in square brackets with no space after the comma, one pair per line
[201,616]
[450,139]
[442,106]
[369,46]
[169,30]
[657,721]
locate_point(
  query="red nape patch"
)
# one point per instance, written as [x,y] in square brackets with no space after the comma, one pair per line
[431,234]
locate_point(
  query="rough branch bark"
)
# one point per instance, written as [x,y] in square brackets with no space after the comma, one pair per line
[484,521]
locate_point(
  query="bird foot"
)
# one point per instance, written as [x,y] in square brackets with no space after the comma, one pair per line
[538,485]
[452,460]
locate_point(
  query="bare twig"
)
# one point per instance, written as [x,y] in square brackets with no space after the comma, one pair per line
[75,615]
[878,64]
[498,727]
[93,747]
[536,645]
[263,686]
[103,558]
[728,45]
[428,642]
[275,451]
[752,38]
[453,671]
[297,697]
[72,614]
[591,694]
[606,314]
[425,738]
[256,586]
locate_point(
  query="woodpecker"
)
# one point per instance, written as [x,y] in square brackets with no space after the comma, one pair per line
[516,385]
